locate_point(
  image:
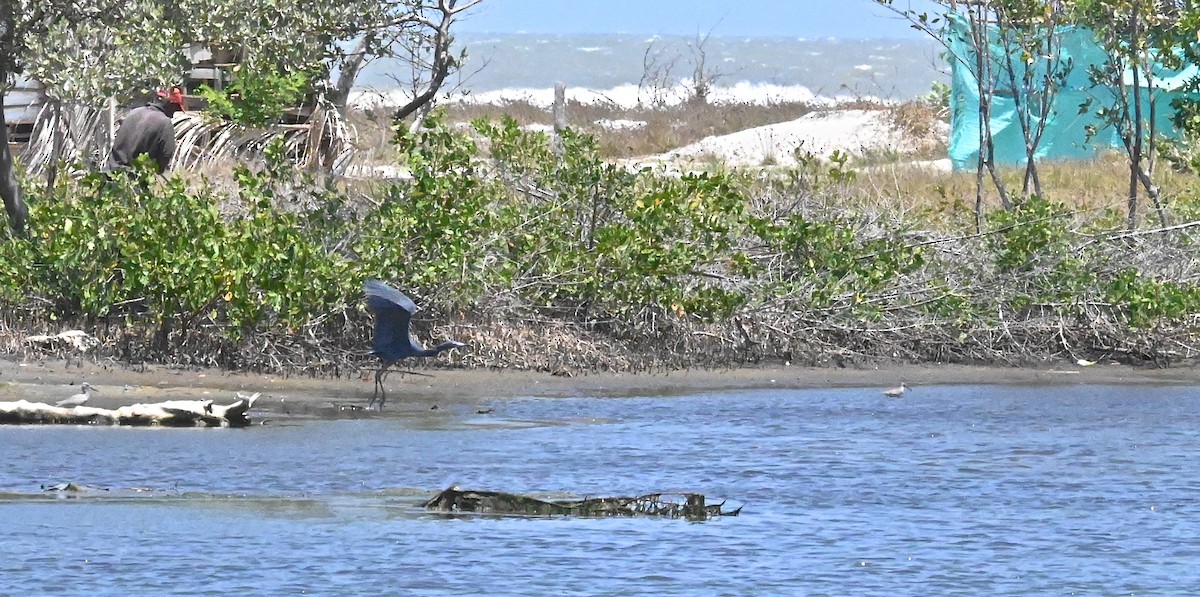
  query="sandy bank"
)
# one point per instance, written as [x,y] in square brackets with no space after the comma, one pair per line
[301,396]
[820,134]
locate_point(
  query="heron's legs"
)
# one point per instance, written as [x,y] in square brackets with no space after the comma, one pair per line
[380,391]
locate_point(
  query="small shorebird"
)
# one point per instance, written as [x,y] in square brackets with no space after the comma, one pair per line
[896,392]
[77,399]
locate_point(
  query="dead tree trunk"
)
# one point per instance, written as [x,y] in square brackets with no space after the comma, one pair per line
[10,191]
[560,108]
[684,505]
[339,96]
[172,413]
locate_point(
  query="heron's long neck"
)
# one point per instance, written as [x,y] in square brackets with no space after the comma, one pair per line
[428,352]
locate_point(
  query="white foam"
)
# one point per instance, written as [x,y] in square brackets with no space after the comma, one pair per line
[622,96]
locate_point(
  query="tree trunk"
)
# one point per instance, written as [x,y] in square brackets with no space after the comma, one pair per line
[983,116]
[440,66]
[985,79]
[1135,156]
[340,94]
[56,151]
[1132,202]
[560,107]
[10,191]
[172,413]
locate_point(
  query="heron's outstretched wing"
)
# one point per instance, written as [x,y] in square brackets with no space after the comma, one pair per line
[394,298]
[393,311]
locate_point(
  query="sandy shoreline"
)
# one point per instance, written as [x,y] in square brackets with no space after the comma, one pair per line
[820,133]
[302,396]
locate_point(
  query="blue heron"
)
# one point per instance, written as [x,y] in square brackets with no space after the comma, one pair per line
[77,399]
[393,341]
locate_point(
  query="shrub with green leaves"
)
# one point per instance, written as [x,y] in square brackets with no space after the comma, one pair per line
[256,97]
[1034,231]
[1147,301]
[833,260]
[595,238]
[163,255]
[436,231]
[502,222]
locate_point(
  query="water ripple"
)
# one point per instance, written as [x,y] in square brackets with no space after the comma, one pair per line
[952,490]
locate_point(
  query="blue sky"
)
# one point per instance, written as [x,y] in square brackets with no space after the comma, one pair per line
[791,18]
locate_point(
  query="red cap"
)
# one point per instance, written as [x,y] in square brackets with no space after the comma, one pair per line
[175,97]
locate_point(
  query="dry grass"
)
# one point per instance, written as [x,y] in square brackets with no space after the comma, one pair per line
[664,129]
[1095,189]
[884,182]
[661,128]
[374,132]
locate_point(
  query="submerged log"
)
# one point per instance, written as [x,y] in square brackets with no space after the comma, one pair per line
[672,505]
[172,413]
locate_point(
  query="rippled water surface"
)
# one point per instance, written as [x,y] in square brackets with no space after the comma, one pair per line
[950,490]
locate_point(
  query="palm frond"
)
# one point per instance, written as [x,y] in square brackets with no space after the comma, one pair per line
[81,134]
[325,142]
[71,133]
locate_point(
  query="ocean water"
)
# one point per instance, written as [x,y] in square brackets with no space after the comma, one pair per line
[950,490]
[619,68]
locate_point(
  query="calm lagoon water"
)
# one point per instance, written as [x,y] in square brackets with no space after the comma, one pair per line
[971,490]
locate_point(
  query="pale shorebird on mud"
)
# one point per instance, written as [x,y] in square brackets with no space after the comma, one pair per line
[77,399]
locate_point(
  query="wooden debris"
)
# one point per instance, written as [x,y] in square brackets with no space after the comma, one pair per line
[690,506]
[71,488]
[78,340]
[172,413]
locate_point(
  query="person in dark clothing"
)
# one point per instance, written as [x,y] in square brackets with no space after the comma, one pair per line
[147,130]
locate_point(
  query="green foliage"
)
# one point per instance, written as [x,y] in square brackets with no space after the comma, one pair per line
[835,259]
[660,242]
[89,57]
[938,96]
[551,230]
[815,174]
[278,269]
[436,230]
[106,247]
[950,303]
[257,97]
[1148,301]
[166,255]
[89,51]
[615,242]
[1025,236]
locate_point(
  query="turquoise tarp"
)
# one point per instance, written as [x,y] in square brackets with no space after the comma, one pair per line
[1066,129]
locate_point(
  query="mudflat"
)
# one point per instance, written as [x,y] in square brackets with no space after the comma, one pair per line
[424,388]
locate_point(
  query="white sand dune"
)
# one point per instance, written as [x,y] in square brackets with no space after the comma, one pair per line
[855,132]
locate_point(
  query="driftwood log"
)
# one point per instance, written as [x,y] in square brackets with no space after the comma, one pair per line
[671,505]
[172,413]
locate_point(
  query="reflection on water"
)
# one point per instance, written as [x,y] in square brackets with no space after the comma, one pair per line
[954,489]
